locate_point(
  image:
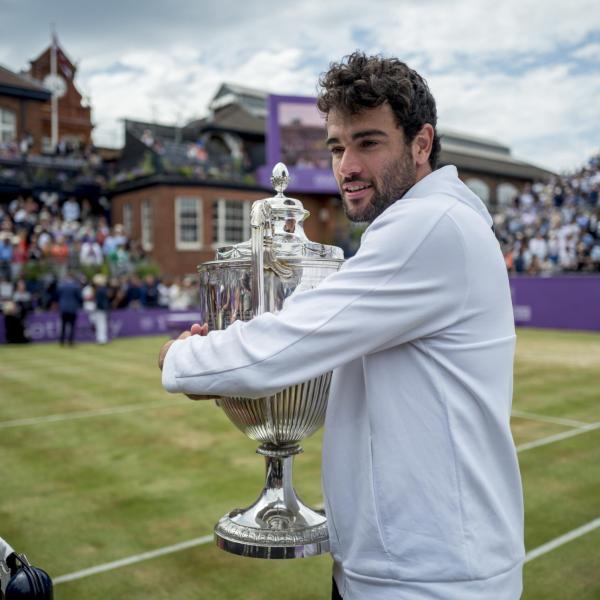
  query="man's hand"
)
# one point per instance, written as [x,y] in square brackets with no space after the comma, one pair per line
[196,329]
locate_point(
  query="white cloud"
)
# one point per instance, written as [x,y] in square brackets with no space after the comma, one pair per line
[494,67]
[589,51]
[546,115]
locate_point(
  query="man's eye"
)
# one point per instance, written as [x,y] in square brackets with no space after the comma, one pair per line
[368,143]
[336,150]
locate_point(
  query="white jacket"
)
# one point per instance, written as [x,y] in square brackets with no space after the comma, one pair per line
[420,475]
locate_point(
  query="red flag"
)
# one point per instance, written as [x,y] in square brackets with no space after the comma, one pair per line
[64,64]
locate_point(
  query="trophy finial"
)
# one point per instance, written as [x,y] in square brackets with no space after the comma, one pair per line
[280,178]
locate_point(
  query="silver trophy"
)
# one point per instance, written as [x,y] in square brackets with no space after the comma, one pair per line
[244,281]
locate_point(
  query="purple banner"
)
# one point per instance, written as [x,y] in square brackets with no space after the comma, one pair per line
[552,302]
[557,302]
[45,327]
[296,136]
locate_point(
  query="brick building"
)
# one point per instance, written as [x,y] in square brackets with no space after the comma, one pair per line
[74,115]
[22,102]
[26,107]
[181,208]
[180,223]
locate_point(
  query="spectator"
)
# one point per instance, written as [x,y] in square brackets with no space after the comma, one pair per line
[71,210]
[134,292]
[6,289]
[538,247]
[19,255]
[150,292]
[90,254]
[100,316]
[6,254]
[595,256]
[14,323]
[182,294]
[118,260]
[178,297]
[163,294]
[114,239]
[59,252]
[69,302]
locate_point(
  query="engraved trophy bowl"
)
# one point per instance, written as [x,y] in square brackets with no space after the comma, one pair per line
[242,282]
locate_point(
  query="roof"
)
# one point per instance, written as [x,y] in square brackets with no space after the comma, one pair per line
[61,56]
[252,100]
[240,90]
[137,128]
[237,117]
[15,84]
[467,141]
[486,161]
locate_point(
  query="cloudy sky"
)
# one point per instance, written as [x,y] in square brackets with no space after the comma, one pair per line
[523,72]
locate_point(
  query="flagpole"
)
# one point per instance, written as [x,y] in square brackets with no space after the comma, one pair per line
[54,98]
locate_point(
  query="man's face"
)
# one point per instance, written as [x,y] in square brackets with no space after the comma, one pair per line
[371,162]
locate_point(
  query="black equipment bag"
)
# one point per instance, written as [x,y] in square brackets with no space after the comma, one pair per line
[26,582]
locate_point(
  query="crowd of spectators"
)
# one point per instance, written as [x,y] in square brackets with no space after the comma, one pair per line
[549,228]
[44,242]
[170,155]
[553,227]
[69,165]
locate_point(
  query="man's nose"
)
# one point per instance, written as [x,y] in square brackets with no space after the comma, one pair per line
[349,165]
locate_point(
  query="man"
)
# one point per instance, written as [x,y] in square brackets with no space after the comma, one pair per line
[69,302]
[420,476]
[101,307]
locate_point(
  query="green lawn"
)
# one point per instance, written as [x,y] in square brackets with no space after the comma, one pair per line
[81,492]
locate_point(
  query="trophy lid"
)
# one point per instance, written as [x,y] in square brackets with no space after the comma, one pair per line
[283,219]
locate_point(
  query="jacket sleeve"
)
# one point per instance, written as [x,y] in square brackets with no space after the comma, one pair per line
[408,280]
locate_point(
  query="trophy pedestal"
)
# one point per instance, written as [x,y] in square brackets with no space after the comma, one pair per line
[278,524]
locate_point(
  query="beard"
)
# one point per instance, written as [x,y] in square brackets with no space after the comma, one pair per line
[397,178]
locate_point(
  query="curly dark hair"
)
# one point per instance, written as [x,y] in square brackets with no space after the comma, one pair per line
[359,81]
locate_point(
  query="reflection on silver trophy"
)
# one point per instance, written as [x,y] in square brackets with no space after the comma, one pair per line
[244,281]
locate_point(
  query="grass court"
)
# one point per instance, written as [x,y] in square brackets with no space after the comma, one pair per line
[100,464]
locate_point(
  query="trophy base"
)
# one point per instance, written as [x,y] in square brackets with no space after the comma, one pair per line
[278,524]
[232,535]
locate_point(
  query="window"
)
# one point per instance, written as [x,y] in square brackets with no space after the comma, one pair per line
[506,194]
[231,221]
[147,225]
[47,147]
[127,218]
[481,188]
[188,223]
[8,125]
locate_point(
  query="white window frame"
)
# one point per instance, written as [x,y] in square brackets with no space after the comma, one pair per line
[506,192]
[221,221]
[128,218]
[147,224]
[47,147]
[8,130]
[179,204]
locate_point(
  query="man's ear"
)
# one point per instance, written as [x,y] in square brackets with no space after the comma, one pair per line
[422,144]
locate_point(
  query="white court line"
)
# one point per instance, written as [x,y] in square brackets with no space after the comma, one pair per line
[84,414]
[130,560]
[581,428]
[557,438]
[563,539]
[557,420]
[136,558]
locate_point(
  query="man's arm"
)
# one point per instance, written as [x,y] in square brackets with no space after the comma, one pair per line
[407,281]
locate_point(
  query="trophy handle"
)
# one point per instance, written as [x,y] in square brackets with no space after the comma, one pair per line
[260,216]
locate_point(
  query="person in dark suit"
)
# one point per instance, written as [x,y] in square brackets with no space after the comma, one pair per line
[69,302]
